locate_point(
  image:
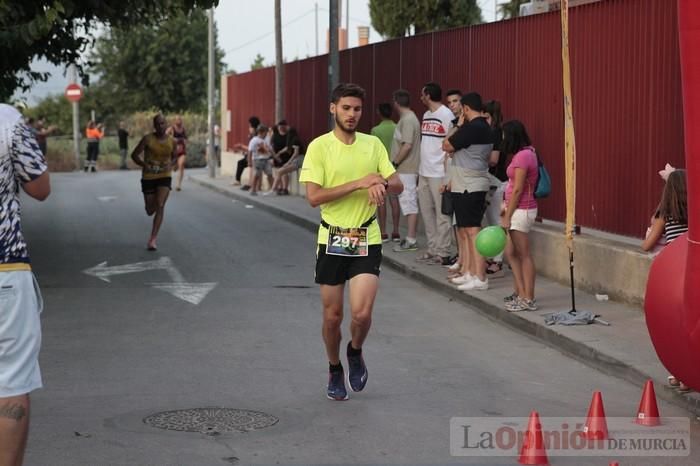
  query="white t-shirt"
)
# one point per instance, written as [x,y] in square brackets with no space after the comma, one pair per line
[434,128]
[256,146]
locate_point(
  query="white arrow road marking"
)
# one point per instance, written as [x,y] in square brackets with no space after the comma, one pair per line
[193,293]
[248,206]
[106,198]
[103,271]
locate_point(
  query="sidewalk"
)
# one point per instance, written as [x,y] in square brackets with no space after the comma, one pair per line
[622,349]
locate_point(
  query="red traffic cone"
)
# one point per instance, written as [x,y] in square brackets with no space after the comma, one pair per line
[532,450]
[614,463]
[648,412]
[596,427]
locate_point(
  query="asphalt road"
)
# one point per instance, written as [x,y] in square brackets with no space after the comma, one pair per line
[117,352]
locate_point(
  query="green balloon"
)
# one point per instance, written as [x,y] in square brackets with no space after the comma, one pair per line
[491,241]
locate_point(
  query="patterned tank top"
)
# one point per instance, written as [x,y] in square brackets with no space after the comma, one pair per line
[673,229]
[158,157]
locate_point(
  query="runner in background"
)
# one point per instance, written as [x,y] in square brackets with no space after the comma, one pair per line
[177,131]
[159,157]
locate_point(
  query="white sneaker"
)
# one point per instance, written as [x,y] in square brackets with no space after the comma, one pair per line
[462,279]
[454,267]
[475,285]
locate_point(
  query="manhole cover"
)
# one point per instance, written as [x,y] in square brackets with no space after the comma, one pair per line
[211,420]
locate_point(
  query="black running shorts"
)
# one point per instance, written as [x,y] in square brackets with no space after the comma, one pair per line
[151,186]
[336,270]
[469,208]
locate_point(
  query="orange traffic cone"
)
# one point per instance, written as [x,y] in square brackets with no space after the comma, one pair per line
[596,426]
[532,450]
[648,412]
[614,463]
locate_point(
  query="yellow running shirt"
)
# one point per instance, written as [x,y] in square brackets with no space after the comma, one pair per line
[330,163]
[158,157]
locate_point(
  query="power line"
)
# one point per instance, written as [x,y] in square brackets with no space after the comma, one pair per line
[354,20]
[252,41]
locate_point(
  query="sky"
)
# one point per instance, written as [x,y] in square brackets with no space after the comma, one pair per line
[245,31]
[247,28]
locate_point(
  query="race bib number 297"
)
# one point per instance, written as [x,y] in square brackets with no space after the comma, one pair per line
[349,242]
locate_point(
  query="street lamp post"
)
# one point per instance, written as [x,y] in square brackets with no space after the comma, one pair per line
[333,57]
[211,157]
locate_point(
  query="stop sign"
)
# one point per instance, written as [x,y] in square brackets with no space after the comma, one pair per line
[73,92]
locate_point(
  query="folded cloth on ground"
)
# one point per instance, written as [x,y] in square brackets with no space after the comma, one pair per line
[570,318]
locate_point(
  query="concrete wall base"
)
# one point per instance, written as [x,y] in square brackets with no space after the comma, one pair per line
[601,265]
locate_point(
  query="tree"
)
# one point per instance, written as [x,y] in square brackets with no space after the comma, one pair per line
[258,62]
[511,9]
[61,30]
[396,18]
[162,66]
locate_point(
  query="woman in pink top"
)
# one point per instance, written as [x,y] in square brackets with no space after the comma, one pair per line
[519,213]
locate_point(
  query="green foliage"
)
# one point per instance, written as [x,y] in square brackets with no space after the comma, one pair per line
[396,18]
[60,30]
[160,66]
[511,9]
[258,62]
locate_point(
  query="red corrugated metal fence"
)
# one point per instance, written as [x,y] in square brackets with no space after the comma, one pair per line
[626,96]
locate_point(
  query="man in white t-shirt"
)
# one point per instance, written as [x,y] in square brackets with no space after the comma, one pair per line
[431,171]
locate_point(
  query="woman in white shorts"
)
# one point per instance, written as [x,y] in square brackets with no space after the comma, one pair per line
[519,213]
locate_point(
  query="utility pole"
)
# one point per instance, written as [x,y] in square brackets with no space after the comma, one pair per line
[347,24]
[279,64]
[211,157]
[316,11]
[333,56]
[73,73]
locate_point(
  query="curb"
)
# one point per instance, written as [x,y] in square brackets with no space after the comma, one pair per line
[572,348]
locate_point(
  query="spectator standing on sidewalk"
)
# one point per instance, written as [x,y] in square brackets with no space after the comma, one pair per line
[123,136]
[253,123]
[42,133]
[434,128]
[498,180]
[671,217]
[470,147]
[670,221]
[347,174]
[519,213]
[452,97]
[385,132]
[94,133]
[405,155]
[21,165]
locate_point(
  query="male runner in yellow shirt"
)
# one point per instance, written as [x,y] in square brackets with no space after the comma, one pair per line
[159,157]
[347,174]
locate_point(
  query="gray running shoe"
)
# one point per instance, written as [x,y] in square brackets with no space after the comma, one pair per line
[405,245]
